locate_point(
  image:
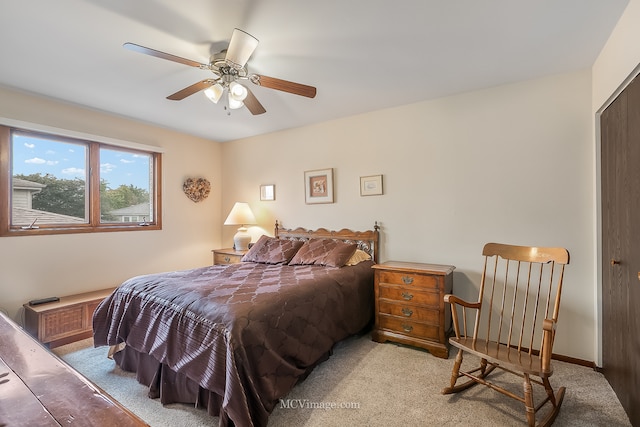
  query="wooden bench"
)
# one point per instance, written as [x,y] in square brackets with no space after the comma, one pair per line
[65,321]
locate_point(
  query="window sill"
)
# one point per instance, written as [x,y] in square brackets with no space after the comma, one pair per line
[75,230]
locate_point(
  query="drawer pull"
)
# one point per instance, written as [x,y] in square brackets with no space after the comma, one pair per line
[407,280]
[407,312]
[227,259]
[407,296]
[407,328]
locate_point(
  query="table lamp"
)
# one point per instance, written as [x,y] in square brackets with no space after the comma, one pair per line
[241,215]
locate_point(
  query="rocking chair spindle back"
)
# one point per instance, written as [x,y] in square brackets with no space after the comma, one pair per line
[513,322]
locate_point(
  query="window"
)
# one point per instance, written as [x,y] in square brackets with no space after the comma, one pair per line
[52,184]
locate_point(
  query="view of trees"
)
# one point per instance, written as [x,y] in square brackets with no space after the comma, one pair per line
[121,197]
[67,196]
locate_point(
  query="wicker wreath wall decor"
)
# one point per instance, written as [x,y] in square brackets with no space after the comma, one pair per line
[196,189]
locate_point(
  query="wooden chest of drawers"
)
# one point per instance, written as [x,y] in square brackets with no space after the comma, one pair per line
[410,307]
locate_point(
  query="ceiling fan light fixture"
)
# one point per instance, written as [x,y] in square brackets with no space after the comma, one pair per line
[237,91]
[214,93]
[241,47]
[234,104]
[229,67]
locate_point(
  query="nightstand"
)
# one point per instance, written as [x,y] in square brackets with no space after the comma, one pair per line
[410,307]
[227,256]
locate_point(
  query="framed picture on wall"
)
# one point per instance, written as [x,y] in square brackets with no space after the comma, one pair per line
[318,186]
[371,185]
[268,192]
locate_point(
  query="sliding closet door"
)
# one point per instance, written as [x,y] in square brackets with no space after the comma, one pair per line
[620,137]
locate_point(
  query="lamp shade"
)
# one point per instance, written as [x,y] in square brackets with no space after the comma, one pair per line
[237,91]
[235,104]
[214,92]
[241,215]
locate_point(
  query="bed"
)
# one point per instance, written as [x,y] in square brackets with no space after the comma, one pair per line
[234,339]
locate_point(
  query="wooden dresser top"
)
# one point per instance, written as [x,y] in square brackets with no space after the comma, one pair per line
[415,267]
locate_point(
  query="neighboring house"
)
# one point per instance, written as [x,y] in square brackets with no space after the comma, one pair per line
[23,192]
[135,213]
[22,208]
[24,214]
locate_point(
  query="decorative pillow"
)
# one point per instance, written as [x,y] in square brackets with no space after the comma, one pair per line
[269,250]
[340,254]
[329,252]
[312,251]
[358,256]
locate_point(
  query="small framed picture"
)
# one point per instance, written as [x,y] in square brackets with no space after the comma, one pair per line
[318,186]
[268,192]
[371,185]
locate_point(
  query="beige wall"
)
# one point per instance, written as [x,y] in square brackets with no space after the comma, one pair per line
[511,164]
[617,64]
[41,266]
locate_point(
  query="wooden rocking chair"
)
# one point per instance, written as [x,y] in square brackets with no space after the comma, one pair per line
[517,308]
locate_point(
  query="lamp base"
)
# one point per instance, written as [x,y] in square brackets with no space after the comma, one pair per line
[241,240]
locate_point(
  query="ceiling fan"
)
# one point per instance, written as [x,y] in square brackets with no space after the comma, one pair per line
[229,67]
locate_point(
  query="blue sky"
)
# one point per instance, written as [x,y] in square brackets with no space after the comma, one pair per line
[67,161]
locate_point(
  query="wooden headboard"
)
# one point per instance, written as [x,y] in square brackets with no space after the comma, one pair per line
[366,240]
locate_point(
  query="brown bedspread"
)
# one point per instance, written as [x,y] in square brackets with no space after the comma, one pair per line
[247,332]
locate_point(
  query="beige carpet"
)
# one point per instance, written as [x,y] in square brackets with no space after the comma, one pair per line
[370,384]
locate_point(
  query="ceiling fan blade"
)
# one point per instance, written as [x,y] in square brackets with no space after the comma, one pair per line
[240,48]
[163,55]
[190,90]
[284,85]
[252,104]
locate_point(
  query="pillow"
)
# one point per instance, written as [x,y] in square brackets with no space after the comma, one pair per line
[340,254]
[329,252]
[269,250]
[358,256]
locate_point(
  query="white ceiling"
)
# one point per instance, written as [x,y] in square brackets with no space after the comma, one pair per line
[361,55]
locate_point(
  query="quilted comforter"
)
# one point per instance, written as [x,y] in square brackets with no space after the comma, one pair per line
[247,332]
